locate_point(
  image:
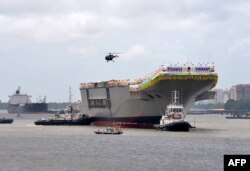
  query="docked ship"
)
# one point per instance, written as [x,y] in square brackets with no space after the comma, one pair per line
[21,103]
[141,103]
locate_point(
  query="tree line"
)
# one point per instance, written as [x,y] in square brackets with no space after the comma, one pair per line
[51,105]
[242,104]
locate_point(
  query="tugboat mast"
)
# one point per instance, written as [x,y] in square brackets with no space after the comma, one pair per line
[175,97]
[70,95]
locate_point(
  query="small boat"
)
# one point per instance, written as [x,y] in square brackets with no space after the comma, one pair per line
[110,130]
[173,119]
[6,120]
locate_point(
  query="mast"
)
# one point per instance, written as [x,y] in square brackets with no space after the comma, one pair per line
[70,103]
[70,95]
[175,97]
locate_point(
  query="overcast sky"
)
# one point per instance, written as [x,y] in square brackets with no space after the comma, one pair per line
[48,45]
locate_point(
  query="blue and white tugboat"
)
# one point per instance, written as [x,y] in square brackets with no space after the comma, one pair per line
[173,119]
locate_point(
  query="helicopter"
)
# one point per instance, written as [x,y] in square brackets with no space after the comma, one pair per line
[111,56]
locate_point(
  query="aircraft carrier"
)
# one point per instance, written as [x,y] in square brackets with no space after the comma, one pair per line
[141,103]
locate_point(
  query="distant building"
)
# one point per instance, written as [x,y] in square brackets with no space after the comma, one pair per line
[240,91]
[236,92]
[232,93]
[226,96]
[221,96]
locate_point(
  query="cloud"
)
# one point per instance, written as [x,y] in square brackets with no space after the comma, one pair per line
[41,32]
[65,21]
[56,28]
[239,48]
[85,52]
[136,51]
[241,8]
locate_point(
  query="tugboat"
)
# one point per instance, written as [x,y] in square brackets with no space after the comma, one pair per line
[173,119]
[81,120]
[66,117]
[69,116]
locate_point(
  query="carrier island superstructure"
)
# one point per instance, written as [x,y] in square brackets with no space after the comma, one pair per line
[142,102]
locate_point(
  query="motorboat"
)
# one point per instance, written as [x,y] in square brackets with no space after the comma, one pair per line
[110,130]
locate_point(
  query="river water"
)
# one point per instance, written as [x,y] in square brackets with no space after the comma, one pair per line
[25,146]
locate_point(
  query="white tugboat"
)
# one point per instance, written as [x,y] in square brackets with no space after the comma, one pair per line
[173,119]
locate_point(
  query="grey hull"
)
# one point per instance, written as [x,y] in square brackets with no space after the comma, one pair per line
[148,104]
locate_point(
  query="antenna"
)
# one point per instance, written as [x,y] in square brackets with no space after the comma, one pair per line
[44,99]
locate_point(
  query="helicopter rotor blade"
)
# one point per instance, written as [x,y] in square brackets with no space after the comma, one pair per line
[112,53]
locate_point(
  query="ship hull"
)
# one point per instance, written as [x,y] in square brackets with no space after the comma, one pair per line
[127,122]
[6,121]
[85,121]
[143,108]
[28,108]
[181,126]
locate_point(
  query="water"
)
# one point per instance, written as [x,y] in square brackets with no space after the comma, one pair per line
[24,146]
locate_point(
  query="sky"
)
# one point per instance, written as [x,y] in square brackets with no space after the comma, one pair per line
[47,46]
